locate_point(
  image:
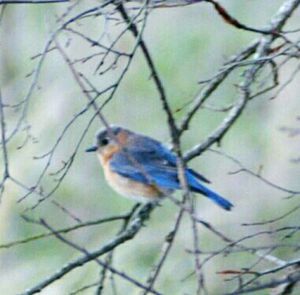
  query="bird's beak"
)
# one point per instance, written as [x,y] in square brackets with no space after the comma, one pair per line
[91,149]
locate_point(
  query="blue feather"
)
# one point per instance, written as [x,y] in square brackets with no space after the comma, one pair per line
[197,187]
[158,166]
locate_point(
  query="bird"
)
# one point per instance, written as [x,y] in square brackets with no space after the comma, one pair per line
[143,169]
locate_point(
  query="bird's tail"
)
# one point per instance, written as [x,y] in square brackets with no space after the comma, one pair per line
[222,202]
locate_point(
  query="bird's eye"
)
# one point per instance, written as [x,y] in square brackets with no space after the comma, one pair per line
[104,141]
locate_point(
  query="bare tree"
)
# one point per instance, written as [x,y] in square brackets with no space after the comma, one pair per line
[264,254]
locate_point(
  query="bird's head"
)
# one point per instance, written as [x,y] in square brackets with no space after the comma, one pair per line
[109,141]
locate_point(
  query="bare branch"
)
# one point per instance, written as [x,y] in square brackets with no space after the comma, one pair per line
[133,228]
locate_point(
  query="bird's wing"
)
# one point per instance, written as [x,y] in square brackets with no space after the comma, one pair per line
[151,149]
[152,163]
[145,167]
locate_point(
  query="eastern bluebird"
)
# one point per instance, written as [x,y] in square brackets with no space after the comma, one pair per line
[143,169]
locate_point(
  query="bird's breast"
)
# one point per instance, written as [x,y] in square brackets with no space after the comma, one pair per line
[130,188]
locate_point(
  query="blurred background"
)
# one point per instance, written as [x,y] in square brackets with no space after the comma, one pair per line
[188,44]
